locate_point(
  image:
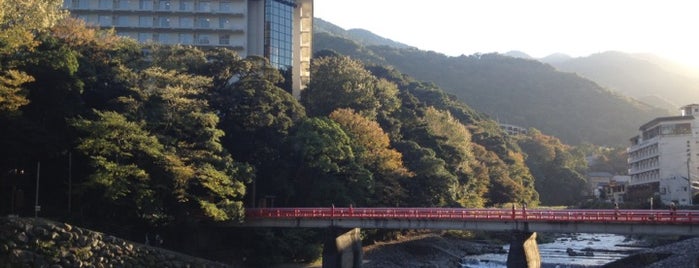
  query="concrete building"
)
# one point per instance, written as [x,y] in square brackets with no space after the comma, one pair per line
[663,158]
[279,30]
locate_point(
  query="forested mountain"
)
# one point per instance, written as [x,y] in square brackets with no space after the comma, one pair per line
[362,36]
[515,91]
[645,77]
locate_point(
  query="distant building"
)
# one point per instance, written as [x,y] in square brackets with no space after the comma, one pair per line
[279,30]
[513,130]
[664,158]
[596,182]
[616,189]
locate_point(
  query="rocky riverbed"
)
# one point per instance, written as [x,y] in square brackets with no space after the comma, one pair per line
[681,254]
[424,250]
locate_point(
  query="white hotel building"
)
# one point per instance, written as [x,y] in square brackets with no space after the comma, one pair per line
[663,158]
[279,30]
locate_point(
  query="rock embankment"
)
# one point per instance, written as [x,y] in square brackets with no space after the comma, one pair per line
[426,250]
[680,254]
[26,242]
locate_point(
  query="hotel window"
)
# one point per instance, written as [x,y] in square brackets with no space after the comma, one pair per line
[186,39]
[224,39]
[226,6]
[204,23]
[204,6]
[145,5]
[105,4]
[164,5]
[186,22]
[278,33]
[145,21]
[145,37]
[123,21]
[186,5]
[223,22]
[82,4]
[164,22]
[124,4]
[203,39]
[104,20]
[168,38]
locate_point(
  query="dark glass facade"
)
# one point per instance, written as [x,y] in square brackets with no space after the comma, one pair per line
[279,26]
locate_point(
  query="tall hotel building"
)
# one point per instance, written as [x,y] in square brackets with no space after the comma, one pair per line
[664,159]
[279,30]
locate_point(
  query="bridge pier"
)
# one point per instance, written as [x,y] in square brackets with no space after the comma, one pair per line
[343,249]
[524,252]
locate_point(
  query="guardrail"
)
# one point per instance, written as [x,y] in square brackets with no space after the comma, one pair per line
[683,217]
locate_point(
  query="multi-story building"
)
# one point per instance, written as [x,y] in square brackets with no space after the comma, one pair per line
[279,30]
[664,158]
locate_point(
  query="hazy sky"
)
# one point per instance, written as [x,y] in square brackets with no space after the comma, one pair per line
[668,28]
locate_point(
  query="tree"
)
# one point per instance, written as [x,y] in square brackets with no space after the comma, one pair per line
[371,147]
[122,153]
[326,167]
[340,82]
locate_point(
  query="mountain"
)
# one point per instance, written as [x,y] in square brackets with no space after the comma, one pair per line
[646,77]
[555,57]
[363,37]
[516,91]
[518,54]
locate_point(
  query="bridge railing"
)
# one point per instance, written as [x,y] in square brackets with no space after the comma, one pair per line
[567,215]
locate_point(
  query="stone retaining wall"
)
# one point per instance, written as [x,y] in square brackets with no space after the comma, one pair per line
[28,242]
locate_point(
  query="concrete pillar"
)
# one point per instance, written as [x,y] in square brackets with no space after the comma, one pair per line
[524,252]
[343,249]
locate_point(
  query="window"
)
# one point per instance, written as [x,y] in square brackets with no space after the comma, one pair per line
[186,39]
[187,5]
[204,6]
[145,21]
[224,39]
[145,37]
[123,21]
[124,4]
[186,22]
[145,5]
[105,4]
[105,20]
[203,39]
[164,22]
[223,22]
[204,23]
[164,5]
[226,6]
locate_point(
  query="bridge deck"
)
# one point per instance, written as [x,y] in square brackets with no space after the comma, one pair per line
[681,222]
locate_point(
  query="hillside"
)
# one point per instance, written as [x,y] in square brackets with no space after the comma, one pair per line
[515,91]
[362,36]
[645,77]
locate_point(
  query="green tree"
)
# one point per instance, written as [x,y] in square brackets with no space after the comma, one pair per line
[340,82]
[326,168]
[371,147]
[122,153]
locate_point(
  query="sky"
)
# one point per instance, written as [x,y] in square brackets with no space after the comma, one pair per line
[667,28]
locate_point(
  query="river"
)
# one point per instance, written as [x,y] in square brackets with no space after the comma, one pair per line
[605,248]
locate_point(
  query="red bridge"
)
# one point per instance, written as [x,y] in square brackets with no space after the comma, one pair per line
[680,222]
[345,250]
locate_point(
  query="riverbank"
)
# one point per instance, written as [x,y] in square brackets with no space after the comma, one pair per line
[424,250]
[681,254]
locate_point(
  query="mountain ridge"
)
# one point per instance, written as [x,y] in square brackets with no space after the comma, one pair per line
[518,91]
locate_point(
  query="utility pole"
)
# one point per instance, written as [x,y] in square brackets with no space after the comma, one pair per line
[36,198]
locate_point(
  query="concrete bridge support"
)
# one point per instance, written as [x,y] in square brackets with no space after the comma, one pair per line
[343,249]
[524,252]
